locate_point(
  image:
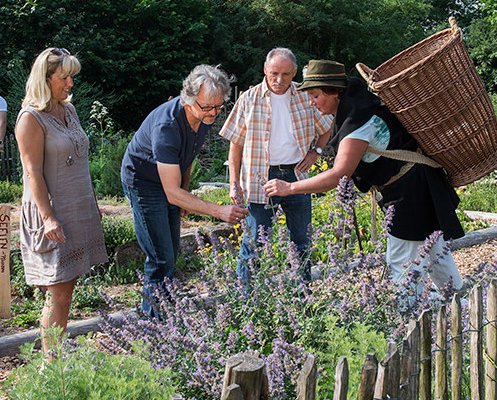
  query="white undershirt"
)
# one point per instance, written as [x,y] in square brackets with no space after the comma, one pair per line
[283,148]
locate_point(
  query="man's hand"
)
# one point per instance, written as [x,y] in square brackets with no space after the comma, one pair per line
[277,187]
[308,161]
[233,214]
[236,194]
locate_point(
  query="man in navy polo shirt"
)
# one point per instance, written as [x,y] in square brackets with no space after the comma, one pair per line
[155,173]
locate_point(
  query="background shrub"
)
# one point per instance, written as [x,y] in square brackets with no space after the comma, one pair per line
[10,192]
[117,230]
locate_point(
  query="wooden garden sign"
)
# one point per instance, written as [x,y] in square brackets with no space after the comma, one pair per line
[4,261]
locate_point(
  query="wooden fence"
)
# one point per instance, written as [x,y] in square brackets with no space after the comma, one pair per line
[9,160]
[429,365]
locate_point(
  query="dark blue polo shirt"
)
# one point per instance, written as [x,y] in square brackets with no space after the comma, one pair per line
[164,136]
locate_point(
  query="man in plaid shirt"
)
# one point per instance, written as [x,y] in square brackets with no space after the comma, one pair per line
[272,128]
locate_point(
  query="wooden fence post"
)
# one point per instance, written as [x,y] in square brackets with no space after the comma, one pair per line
[425,356]
[5,261]
[387,382]
[341,380]
[491,370]
[232,392]
[413,336]
[246,371]
[405,370]
[306,382]
[457,349]
[476,342]
[441,392]
[368,378]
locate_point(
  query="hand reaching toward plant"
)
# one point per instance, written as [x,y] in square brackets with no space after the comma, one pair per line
[277,187]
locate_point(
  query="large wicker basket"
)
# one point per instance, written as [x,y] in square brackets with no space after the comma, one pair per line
[434,90]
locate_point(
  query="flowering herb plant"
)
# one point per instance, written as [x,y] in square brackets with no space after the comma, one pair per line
[280,316]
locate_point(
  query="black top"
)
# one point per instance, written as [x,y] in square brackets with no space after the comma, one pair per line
[423,199]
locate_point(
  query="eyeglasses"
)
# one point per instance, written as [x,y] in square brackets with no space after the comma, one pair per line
[210,108]
[60,51]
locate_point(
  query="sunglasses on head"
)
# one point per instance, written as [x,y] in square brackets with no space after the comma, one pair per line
[59,51]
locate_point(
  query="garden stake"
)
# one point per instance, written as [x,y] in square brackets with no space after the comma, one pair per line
[374,234]
[5,261]
[356,226]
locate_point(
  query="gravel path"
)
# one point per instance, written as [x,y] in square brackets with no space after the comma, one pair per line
[470,258]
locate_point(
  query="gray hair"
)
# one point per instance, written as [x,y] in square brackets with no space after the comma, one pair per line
[212,78]
[282,52]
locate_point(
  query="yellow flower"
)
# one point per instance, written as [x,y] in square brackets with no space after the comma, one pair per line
[220,202]
[324,166]
[313,167]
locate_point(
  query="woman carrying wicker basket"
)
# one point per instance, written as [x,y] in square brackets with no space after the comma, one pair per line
[423,199]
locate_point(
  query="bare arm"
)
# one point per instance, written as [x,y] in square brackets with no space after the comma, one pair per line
[170,176]
[235,164]
[312,156]
[349,154]
[31,141]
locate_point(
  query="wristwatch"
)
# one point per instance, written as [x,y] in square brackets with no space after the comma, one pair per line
[318,150]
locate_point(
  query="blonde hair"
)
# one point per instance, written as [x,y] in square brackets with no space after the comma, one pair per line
[38,93]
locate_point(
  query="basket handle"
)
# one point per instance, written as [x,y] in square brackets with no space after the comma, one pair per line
[365,71]
[453,24]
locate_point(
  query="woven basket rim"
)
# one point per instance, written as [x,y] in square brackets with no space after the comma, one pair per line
[377,86]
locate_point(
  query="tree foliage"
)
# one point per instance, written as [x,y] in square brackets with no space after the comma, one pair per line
[135,53]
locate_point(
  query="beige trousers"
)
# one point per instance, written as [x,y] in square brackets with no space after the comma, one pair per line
[403,256]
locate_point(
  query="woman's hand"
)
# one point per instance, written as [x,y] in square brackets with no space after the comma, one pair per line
[309,160]
[53,230]
[277,187]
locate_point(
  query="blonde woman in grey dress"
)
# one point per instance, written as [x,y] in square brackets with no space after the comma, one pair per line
[60,230]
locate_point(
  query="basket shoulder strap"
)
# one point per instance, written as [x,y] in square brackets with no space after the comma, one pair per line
[404,155]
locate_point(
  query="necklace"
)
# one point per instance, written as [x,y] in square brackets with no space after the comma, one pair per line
[70,128]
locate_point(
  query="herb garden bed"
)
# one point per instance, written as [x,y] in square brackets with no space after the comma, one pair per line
[217,264]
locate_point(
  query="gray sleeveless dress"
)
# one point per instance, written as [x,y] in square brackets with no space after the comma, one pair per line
[67,176]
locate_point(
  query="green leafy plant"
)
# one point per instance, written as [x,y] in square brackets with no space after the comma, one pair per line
[120,274]
[117,231]
[353,342]
[480,195]
[83,372]
[107,145]
[10,192]
[27,312]
[17,278]
[87,293]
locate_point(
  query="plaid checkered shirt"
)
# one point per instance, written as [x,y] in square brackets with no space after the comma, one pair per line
[249,125]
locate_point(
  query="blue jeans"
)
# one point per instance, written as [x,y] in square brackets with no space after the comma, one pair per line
[297,209]
[157,229]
